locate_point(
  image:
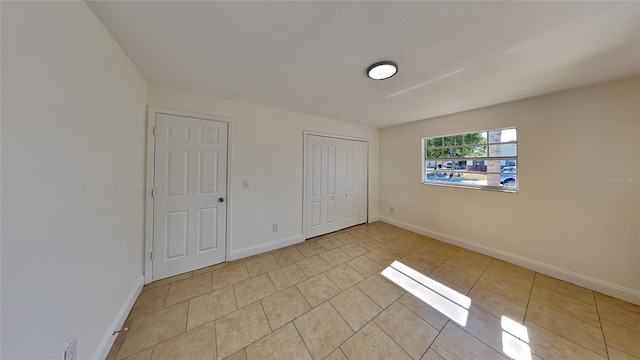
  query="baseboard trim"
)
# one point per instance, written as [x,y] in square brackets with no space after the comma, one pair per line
[604,287]
[262,248]
[107,341]
[374,218]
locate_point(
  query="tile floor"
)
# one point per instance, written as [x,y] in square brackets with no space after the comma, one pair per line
[326,299]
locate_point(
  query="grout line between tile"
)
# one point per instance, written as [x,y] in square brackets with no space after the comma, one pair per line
[601,327]
[186,320]
[300,335]
[392,339]
[233,289]
[489,346]
[215,338]
[167,298]
[437,336]
[390,239]
[434,350]
[266,317]
[569,340]
[478,279]
[262,337]
[526,309]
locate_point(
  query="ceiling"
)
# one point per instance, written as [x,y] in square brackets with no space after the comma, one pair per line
[311,57]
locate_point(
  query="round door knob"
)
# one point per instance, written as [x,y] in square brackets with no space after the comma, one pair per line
[220,199]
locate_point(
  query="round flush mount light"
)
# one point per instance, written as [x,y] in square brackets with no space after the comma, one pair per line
[382,70]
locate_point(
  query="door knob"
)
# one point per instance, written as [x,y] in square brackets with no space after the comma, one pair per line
[221,199]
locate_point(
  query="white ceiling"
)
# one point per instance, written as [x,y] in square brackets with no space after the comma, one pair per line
[311,57]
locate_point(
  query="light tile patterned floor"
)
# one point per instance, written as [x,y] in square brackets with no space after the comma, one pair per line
[326,299]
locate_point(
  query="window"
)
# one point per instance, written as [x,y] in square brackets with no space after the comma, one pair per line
[484,160]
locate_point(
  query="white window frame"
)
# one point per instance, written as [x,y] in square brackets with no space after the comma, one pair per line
[485,158]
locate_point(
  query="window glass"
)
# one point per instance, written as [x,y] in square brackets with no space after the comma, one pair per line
[484,159]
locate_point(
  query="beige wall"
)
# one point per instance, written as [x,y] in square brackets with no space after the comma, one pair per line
[266,148]
[568,220]
[73,128]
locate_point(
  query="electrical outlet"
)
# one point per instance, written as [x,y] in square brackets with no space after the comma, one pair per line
[245,184]
[391,209]
[275,228]
[72,350]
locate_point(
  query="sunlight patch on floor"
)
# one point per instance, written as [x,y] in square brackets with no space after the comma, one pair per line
[442,298]
[515,339]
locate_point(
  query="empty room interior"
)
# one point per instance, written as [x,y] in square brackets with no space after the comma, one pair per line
[319,180]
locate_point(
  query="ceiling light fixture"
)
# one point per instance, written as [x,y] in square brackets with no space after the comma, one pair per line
[382,70]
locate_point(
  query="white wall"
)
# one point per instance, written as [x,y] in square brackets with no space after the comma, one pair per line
[266,148]
[568,220]
[73,137]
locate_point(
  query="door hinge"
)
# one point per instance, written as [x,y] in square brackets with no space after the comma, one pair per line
[151,256]
[153,193]
[154,131]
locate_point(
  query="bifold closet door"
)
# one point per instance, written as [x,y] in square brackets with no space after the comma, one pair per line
[336,184]
[354,182]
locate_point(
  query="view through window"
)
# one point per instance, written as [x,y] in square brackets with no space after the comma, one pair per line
[484,159]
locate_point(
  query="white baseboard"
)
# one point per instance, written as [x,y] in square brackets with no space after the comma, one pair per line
[604,287]
[107,341]
[262,248]
[374,218]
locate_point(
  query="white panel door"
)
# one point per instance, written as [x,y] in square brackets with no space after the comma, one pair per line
[355,182]
[361,181]
[336,184]
[322,170]
[189,196]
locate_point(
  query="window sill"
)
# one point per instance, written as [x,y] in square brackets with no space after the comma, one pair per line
[490,188]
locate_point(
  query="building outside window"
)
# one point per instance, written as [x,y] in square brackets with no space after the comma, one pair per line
[484,160]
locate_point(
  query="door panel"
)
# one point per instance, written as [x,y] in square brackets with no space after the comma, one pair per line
[207,229]
[332,168]
[177,172]
[210,136]
[316,208]
[331,211]
[336,184]
[316,172]
[189,229]
[208,172]
[177,223]
[178,132]
[316,165]
[349,166]
[348,181]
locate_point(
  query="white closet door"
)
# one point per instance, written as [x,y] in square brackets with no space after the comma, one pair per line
[336,184]
[189,201]
[354,182]
[321,175]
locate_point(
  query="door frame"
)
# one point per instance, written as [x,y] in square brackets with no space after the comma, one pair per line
[152,111]
[304,173]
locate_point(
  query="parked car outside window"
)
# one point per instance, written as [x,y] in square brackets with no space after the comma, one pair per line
[506,179]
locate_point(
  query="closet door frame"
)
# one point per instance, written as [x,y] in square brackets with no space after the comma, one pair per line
[304,174]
